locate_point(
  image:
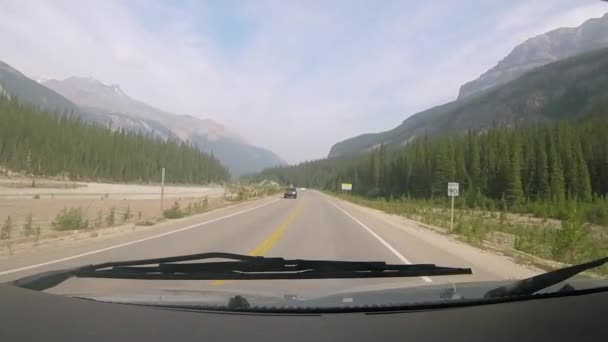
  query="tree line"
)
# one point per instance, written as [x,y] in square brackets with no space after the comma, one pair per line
[503,166]
[59,144]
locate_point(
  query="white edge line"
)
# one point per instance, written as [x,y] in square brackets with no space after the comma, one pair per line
[134,241]
[382,241]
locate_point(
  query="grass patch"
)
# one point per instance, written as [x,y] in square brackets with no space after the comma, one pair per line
[69,219]
[570,240]
[177,211]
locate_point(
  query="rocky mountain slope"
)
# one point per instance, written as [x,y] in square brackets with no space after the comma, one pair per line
[234,152]
[540,50]
[15,84]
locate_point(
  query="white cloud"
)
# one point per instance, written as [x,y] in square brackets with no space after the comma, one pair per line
[307,75]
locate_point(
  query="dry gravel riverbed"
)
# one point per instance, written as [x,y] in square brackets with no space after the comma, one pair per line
[19,200]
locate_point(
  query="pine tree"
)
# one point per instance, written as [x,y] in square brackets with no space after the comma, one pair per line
[443,170]
[514,191]
[475,161]
[461,174]
[557,187]
[542,186]
[582,183]
[500,173]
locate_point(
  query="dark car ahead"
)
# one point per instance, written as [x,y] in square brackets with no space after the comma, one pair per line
[291,193]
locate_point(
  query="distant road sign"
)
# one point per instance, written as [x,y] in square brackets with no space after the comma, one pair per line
[347,186]
[453,189]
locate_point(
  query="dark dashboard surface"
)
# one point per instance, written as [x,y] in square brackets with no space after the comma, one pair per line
[33,316]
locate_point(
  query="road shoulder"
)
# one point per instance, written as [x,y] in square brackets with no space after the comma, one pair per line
[491,260]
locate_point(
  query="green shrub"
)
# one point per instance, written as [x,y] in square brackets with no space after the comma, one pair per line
[502,218]
[69,219]
[99,220]
[597,213]
[6,230]
[28,226]
[174,212]
[127,214]
[111,218]
[198,207]
[524,242]
[568,240]
[461,227]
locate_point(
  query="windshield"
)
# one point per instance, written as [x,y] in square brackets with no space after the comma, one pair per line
[448,138]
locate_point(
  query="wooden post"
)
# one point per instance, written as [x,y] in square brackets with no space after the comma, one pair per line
[162,190]
[452,216]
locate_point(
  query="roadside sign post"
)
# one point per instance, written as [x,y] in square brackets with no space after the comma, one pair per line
[162,190]
[453,188]
[347,187]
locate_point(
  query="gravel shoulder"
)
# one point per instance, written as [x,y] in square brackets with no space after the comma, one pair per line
[489,258]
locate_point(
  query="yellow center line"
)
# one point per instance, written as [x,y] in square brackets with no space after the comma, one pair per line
[267,244]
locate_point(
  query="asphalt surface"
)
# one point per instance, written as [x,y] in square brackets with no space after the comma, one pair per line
[313,226]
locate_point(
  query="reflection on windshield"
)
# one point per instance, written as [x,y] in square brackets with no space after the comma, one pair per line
[321,295]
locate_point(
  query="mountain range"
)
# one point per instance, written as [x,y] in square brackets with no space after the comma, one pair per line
[554,76]
[540,50]
[105,104]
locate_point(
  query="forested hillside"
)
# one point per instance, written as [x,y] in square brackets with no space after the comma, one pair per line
[45,143]
[209,136]
[570,89]
[503,167]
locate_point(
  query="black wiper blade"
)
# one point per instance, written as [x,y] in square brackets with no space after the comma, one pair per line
[531,285]
[256,268]
[244,268]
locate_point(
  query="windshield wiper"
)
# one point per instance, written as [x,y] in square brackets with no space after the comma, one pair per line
[244,268]
[531,285]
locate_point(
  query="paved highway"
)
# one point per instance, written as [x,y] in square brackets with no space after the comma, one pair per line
[313,226]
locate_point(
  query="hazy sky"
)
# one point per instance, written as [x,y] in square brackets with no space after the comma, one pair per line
[292,76]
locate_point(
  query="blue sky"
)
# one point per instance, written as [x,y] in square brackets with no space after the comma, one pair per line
[292,76]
